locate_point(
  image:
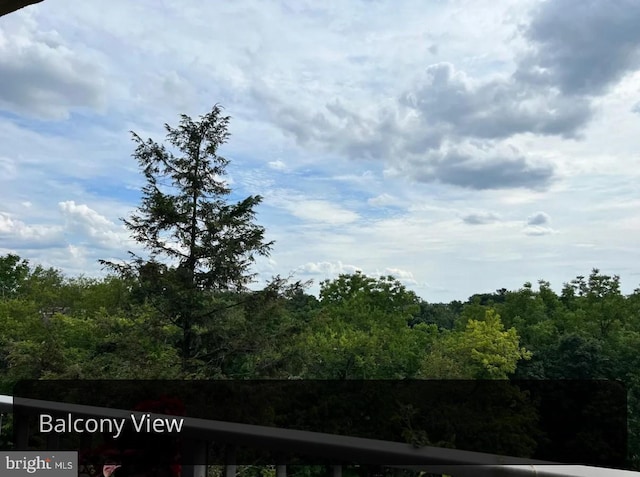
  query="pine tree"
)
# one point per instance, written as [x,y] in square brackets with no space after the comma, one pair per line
[198,241]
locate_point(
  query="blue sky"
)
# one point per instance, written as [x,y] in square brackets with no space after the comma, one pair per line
[461,146]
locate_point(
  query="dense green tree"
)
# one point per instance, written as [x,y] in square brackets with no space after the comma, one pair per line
[474,309]
[576,357]
[80,346]
[597,302]
[443,315]
[46,287]
[484,350]
[523,308]
[139,346]
[255,334]
[196,239]
[13,272]
[361,331]
[384,293]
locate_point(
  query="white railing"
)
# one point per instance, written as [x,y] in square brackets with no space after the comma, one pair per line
[458,463]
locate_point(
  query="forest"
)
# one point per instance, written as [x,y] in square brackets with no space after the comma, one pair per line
[186,311]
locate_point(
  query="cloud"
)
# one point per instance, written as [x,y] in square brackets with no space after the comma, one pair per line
[15,234]
[384,200]
[538,224]
[572,53]
[478,167]
[333,269]
[413,135]
[314,211]
[89,225]
[582,47]
[327,268]
[413,138]
[495,109]
[322,211]
[403,276]
[536,230]
[539,218]
[277,165]
[480,218]
[43,77]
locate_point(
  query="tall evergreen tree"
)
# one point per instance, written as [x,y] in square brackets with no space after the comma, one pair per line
[198,241]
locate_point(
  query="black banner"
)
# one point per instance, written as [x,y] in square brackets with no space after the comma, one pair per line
[167,422]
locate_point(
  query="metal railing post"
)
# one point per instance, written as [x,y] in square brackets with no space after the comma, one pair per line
[230,467]
[195,453]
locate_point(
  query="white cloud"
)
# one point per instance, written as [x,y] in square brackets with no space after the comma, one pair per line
[329,269]
[87,224]
[277,165]
[322,211]
[537,230]
[15,233]
[384,200]
[312,211]
[404,276]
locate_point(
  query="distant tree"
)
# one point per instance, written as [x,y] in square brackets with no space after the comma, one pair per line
[361,331]
[384,293]
[443,315]
[196,239]
[576,357]
[484,350]
[46,287]
[255,333]
[489,299]
[13,272]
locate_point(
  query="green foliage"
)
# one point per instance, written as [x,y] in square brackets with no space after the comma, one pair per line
[443,315]
[484,350]
[385,294]
[137,347]
[185,219]
[256,339]
[361,331]
[134,326]
[13,273]
[576,357]
[183,215]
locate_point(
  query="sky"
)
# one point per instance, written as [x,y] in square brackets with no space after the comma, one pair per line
[461,146]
